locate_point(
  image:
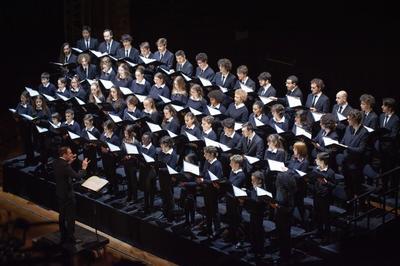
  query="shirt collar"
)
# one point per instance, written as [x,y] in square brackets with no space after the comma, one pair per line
[169,151]
[237,171]
[208,131]
[273,150]
[148,146]
[191,127]
[213,160]
[280,121]
[70,124]
[141,82]
[239,105]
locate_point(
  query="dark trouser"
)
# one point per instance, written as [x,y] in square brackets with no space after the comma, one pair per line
[166,193]
[233,211]
[66,218]
[388,154]
[109,166]
[352,179]
[130,172]
[282,221]
[147,179]
[188,198]
[211,204]
[321,213]
[256,232]
[26,135]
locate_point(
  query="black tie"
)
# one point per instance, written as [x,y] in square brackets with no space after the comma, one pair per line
[126,53]
[223,80]
[385,121]
[340,109]
[314,101]
[248,142]
[108,47]
[161,56]
[179,67]
[87,44]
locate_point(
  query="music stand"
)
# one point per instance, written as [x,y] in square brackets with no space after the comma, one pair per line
[95,185]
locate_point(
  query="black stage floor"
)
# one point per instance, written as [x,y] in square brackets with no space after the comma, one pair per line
[172,241]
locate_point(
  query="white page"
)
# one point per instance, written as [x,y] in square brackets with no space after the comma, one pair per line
[245,88]
[212,176]
[63,97]
[153,127]
[164,99]
[98,54]
[265,100]
[171,170]
[194,111]
[317,116]
[177,108]
[205,82]
[186,77]
[106,83]
[49,98]
[147,60]
[147,158]
[251,159]
[131,149]
[125,91]
[223,89]
[224,147]
[341,117]
[276,165]
[91,137]
[113,147]
[172,134]
[191,168]
[30,118]
[213,111]
[77,49]
[41,129]
[191,137]
[238,126]
[262,192]
[329,141]
[141,98]
[12,110]
[238,192]
[369,129]
[168,72]
[279,130]
[80,102]
[301,173]
[53,125]
[32,93]
[96,99]
[95,183]
[293,101]
[73,136]
[134,118]
[130,63]
[210,142]
[115,118]
[258,122]
[301,132]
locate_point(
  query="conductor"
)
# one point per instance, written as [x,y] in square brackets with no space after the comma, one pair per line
[64,174]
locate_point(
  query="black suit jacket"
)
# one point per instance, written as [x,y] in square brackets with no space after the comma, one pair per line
[113,50]
[322,105]
[93,44]
[133,55]
[207,74]
[356,143]
[371,120]
[345,112]
[255,149]
[92,72]
[64,174]
[186,69]
[168,59]
[229,83]
[249,83]
[270,92]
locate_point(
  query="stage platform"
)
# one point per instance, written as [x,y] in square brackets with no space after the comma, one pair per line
[173,241]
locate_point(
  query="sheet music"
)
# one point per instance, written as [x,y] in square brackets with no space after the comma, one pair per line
[91,137]
[49,98]
[96,99]
[301,132]
[205,82]
[62,97]
[134,118]
[41,129]
[171,170]
[72,135]
[279,130]
[130,63]
[125,91]
[341,117]
[131,149]
[238,192]
[276,166]
[177,108]
[213,111]
[195,112]
[317,116]
[153,127]
[106,83]
[369,129]
[94,183]
[210,142]
[293,101]
[251,159]
[262,192]
[30,118]
[191,168]
[141,98]
[98,54]
[32,93]
[191,137]
[168,72]
[223,89]
[212,176]
[171,134]
[186,77]
[147,158]
[115,118]
[80,102]
[113,147]
[147,60]
[265,100]
[164,99]
[238,126]
[12,110]
[258,122]
[301,173]
[245,88]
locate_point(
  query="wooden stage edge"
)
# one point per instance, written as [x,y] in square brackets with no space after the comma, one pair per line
[19,207]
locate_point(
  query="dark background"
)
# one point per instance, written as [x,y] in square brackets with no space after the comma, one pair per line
[343,45]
